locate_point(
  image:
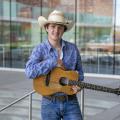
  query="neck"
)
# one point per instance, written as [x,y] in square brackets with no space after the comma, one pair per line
[55,43]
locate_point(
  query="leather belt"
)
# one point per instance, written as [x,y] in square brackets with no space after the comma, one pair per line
[61,97]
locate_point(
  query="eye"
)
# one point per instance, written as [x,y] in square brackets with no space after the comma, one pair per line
[60,27]
[52,26]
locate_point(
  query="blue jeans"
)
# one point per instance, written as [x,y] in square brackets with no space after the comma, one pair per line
[57,110]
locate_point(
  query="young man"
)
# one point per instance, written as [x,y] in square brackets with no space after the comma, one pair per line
[50,54]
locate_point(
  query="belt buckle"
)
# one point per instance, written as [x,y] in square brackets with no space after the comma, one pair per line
[63,98]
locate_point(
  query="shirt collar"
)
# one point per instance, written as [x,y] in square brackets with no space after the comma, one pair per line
[50,47]
[63,43]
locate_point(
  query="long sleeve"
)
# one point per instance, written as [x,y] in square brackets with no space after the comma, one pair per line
[38,65]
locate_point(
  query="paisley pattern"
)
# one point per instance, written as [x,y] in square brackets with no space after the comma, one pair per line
[44,58]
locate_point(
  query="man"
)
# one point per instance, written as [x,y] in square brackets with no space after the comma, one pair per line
[50,54]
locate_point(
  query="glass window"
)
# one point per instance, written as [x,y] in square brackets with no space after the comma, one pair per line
[95,35]
[1,8]
[117,37]
[67,7]
[96,31]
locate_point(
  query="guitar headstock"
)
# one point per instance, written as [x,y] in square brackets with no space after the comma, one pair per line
[117,91]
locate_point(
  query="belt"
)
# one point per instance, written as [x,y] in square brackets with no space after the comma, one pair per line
[60,98]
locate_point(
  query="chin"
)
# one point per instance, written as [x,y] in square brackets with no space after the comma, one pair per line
[55,39]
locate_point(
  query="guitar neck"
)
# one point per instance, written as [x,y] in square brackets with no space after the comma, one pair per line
[91,86]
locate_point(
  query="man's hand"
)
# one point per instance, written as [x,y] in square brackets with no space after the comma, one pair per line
[60,63]
[75,89]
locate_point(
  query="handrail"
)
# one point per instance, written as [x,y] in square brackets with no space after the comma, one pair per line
[30,103]
[82,103]
[16,101]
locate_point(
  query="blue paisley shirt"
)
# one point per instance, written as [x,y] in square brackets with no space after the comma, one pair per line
[44,58]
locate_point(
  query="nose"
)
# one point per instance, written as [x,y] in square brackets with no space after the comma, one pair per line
[56,29]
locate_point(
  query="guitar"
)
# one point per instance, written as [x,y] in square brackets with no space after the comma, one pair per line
[59,80]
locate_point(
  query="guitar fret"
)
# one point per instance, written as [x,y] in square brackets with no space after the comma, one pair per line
[91,86]
[59,79]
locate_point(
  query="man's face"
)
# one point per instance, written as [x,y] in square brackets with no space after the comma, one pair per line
[55,31]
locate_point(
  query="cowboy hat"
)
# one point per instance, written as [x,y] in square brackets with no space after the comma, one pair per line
[55,17]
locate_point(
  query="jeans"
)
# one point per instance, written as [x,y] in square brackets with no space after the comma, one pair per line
[60,110]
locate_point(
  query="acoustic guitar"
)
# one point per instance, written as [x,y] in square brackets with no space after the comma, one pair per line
[60,80]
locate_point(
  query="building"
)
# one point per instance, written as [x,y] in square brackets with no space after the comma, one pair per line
[19,31]
[96,33]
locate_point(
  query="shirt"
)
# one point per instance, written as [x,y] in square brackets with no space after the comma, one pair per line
[44,58]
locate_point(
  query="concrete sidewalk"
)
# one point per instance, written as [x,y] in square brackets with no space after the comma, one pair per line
[98,105]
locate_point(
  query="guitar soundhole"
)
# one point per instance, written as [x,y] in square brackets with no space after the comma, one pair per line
[63,81]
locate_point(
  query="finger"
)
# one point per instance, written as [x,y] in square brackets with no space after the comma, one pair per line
[76,89]
[60,63]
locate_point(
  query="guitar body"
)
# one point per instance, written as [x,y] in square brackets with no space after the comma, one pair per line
[60,80]
[54,85]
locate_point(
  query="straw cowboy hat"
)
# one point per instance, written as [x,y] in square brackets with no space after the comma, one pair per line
[55,17]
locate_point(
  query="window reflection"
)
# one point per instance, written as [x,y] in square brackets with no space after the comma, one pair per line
[96,31]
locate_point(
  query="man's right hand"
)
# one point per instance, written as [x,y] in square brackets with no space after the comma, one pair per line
[60,63]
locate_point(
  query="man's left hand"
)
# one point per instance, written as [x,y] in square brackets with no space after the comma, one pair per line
[75,89]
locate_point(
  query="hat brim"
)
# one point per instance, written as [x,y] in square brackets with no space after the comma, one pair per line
[43,22]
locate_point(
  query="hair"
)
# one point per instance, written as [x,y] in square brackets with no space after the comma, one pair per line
[65,28]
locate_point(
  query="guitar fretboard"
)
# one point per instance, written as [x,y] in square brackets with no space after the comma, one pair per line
[92,86]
